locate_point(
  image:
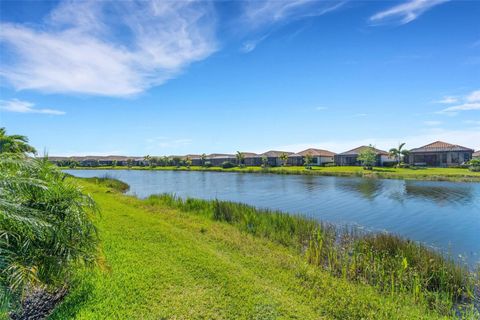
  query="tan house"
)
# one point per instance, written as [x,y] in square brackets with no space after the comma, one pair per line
[440,154]
[318,156]
[476,155]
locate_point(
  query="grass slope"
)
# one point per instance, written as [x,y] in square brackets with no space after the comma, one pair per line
[434,174]
[163,263]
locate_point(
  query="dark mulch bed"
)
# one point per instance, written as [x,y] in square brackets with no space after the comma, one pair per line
[39,304]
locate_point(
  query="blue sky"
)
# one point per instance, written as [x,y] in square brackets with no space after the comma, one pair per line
[137,78]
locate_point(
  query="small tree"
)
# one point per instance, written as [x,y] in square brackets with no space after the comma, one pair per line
[203,159]
[188,162]
[114,163]
[284,158]
[129,163]
[368,157]
[240,158]
[399,153]
[264,162]
[308,161]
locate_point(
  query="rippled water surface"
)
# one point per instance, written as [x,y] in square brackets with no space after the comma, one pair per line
[445,215]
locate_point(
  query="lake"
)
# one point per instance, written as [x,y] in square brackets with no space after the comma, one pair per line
[444,215]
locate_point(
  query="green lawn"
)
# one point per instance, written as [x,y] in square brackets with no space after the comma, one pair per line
[162,263]
[438,174]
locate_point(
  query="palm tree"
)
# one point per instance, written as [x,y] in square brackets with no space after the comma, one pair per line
[14,143]
[147,159]
[284,158]
[46,227]
[399,153]
[240,158]
[203,158]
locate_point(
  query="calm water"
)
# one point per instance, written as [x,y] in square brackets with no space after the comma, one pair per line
[445,215]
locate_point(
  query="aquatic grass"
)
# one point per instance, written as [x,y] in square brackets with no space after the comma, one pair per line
[388,262]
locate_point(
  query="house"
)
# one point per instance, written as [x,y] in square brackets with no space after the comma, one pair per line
[251,159]
[350,158]
[318,156]
[440,154]
[273,157]
[216,159]
[476,155]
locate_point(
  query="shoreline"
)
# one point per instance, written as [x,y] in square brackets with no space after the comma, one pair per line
[423,174]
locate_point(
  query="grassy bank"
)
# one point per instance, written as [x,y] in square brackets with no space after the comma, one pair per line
[167,258]
[431,174]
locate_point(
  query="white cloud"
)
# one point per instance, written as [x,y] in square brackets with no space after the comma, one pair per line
[467,103]
[447,100]
[259,15]
[166,142]
[360,115]
[432,123]
[321,108]
[474,96]
[79,49]
[405,12]
[15,105]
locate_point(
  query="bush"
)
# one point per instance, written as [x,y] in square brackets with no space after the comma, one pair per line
[474,168]
[227,164]
[207,164]
[46,228]
[329,164]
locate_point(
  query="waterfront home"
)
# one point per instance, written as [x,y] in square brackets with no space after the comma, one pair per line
[251,159]
[273,157]
[350,157]
[318,156]
[440,154]
[216,159]
[476,155]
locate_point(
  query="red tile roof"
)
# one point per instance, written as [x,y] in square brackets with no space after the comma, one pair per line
[440,146]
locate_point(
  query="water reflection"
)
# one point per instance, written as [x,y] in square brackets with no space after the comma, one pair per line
[458,194]
[367,188]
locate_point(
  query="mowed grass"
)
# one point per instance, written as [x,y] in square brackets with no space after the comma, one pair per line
[164,263]
[435,174]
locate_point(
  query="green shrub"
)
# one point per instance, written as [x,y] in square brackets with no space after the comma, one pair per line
[227,164]
[46,228]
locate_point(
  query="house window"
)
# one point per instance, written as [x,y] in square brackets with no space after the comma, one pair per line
[444,158]
[455,157]
[466,157]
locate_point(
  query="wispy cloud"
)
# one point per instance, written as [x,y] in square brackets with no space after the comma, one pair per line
[15,105]
[166,142]
[321,108]
[360,115]
[259,16]
[405,12]
[432,123]
[470,102]
[447,100]
[78,49]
